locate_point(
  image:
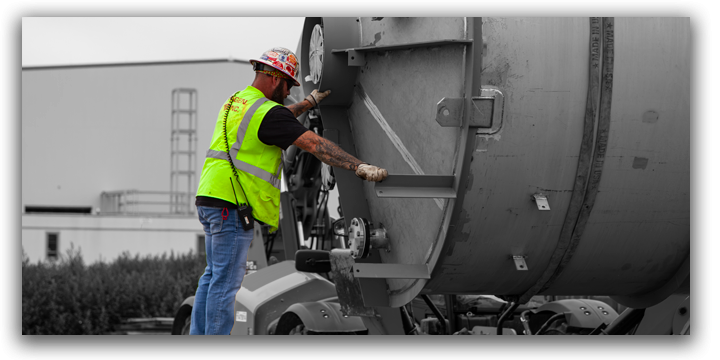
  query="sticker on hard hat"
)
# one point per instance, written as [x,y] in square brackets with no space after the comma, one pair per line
[272,55]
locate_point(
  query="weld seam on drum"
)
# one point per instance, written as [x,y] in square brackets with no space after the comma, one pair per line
[586,185]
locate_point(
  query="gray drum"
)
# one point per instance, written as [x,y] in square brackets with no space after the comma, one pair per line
[526,155]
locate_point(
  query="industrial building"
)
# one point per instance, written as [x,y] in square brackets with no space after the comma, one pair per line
[112,153]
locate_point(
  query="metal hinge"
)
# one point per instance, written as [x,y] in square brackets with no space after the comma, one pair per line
[486,113]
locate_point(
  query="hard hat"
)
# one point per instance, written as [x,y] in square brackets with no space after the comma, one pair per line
[281,59]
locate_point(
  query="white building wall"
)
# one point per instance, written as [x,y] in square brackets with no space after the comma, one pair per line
[106,237]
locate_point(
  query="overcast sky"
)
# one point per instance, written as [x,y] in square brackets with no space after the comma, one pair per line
[94,40]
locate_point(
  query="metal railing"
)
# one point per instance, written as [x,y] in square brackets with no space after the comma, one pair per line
[134,202]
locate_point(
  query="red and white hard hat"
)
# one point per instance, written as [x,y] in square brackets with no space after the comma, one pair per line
[281,59]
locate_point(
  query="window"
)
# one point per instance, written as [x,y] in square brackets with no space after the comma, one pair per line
[201,245]
[59,209]
[52,246]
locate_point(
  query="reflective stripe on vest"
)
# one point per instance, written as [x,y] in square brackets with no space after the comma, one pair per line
[248,168]
[273,179]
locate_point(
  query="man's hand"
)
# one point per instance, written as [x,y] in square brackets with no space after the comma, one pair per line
[371,172]
[316,97]
[312,100]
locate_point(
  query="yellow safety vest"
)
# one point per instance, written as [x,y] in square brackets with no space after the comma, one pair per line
[258,166]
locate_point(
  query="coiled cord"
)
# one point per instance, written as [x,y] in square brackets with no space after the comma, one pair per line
[227,148]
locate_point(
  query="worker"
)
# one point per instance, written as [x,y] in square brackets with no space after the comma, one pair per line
[240,180]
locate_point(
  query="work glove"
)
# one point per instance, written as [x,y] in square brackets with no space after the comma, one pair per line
[316,97]
[371,172]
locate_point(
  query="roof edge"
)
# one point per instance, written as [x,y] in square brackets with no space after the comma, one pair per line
[144,63]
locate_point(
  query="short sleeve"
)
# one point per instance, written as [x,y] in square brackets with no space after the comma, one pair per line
[280,128]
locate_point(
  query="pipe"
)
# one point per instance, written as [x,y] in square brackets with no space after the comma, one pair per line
[525,322]
[512,306]
[549,321]
[437,313]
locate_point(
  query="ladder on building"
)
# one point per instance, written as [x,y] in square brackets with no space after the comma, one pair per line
[183,150]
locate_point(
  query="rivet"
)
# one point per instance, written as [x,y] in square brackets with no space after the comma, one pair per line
[587,313]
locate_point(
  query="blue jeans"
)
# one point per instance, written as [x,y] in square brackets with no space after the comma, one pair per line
[226,248]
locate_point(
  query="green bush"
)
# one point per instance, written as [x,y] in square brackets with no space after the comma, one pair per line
[67,297]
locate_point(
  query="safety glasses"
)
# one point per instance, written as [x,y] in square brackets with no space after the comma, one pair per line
[288,84]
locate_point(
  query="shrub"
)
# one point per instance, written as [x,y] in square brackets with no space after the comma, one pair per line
[71,298]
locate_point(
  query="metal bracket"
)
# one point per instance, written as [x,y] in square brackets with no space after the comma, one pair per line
[416,186]
[488,110]
[541,201]
[355,58]
[520,263]
[391,271]
[449,112]
[407,46]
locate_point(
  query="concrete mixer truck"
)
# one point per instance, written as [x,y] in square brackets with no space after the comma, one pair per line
[541,162]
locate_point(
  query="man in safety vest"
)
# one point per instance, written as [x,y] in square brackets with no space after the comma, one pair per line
[240,180]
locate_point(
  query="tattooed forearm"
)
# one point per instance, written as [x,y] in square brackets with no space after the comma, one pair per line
[333,155]
[298,108]
[327,151]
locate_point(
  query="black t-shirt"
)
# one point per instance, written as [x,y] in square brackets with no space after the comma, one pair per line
[279,128]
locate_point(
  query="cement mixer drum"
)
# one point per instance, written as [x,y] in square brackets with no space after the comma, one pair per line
[526,155]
